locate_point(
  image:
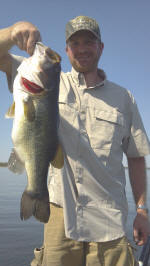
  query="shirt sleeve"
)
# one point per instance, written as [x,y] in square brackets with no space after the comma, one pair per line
[16,61]
[137,144]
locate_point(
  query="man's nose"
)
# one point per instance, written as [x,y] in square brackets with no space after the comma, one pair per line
[82,48]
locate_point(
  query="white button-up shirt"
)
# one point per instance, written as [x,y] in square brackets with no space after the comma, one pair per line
[97,125]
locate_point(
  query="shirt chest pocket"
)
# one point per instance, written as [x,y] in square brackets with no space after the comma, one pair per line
[107,129]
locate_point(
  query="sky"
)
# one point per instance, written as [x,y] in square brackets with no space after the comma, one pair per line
[125,31]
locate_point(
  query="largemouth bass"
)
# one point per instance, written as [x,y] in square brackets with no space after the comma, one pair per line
[35,126]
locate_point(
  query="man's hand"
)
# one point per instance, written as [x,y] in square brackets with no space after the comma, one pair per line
[137,174]
[141,227]
[25,35]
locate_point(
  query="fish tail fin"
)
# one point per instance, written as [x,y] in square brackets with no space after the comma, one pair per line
[38,206]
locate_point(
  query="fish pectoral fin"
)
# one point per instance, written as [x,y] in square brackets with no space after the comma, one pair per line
[58,160]
[11,111]
[15,164]
[29,109]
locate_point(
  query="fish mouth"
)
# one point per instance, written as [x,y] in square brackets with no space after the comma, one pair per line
[31,86]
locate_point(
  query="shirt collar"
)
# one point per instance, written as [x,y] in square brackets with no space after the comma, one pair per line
[80,80]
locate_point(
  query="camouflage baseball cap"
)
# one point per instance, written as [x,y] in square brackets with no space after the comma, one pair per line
[82,23]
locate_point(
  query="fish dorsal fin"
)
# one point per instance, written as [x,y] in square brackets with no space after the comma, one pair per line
[58,161]
[11,111]
[29,109]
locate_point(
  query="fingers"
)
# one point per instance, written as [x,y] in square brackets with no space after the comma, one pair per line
[136,236]
[31,42]
[140,237]
[25,35]
[141,229]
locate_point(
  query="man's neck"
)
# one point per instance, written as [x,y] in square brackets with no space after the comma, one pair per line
[92,78]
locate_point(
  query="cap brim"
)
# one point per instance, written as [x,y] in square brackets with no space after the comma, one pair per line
[82,29]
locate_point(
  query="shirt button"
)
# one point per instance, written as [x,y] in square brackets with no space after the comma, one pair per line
[82,112]
[79,208]
[82,132]
[79,180]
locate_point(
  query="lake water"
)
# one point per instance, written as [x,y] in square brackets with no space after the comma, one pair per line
[19,238]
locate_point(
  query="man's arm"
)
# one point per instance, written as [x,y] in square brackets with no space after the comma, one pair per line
[24,35]
[137,174]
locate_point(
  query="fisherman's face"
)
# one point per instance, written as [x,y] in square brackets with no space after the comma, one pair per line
[84,51]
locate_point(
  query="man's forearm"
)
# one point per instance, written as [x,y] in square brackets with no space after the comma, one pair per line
[24,35]
[137,174]
[6,41]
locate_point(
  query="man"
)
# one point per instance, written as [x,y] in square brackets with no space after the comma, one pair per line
[99,121]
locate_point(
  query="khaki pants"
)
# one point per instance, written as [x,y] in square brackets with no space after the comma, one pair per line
[61,251]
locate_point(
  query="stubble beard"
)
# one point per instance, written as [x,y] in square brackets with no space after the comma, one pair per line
[87,68]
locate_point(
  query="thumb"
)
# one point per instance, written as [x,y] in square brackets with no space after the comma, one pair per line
[136,235]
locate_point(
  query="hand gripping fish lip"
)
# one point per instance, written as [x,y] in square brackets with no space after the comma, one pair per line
[31,87]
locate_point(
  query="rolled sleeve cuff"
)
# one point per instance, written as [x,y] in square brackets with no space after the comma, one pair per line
[138,145]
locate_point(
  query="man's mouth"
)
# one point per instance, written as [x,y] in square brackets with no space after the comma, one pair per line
[83,58]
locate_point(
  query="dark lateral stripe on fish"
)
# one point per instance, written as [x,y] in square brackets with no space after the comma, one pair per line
[31,86]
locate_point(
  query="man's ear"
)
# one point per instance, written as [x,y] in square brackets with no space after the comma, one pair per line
[66,48]
[101,47]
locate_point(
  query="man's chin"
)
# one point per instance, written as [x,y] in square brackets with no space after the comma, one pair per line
[82,69]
